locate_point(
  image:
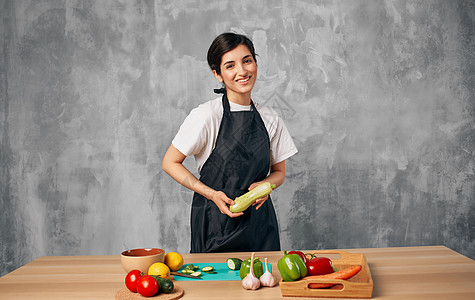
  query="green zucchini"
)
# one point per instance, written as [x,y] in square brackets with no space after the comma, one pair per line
[207,269]
[241,203]
[188,269]
[166,285]
[234,263]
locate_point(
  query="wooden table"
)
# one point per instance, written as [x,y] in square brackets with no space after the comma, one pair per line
[433,272]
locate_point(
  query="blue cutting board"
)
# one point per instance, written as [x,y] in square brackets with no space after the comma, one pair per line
[223,272]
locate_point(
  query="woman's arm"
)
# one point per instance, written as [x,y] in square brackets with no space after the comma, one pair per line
[172,164]
[276,176]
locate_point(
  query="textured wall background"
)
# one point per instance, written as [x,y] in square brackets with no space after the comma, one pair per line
[378,95]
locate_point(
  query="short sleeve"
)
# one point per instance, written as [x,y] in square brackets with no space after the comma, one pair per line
[282,145]
[192,135]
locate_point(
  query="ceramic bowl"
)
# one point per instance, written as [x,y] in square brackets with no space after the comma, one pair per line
[141,259]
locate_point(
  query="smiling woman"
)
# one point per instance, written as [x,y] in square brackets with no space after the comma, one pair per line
[238,73]
[238,144]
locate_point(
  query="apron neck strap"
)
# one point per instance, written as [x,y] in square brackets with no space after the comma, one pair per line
[227,108]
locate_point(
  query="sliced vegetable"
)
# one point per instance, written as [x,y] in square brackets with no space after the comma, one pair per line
[197,274]
[292,267]
[246,268]
[207,269]
[234,263]
[190,268]
[241,203]
[343,274]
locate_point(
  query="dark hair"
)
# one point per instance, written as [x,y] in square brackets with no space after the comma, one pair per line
[223,43]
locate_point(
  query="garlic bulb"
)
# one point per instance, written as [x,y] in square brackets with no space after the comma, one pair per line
[267,279]
[251,282]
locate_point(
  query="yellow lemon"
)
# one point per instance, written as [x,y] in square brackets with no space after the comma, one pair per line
[159,269]
[174,261]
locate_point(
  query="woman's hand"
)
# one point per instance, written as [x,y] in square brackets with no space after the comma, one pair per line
[259,201]
[276,176]
[222,202]
[173,165]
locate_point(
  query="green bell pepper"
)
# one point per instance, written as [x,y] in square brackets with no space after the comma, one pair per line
[246,268]
[292,267]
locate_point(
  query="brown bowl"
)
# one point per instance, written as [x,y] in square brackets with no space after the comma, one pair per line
[141,259]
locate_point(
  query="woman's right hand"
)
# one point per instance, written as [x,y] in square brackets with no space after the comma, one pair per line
[222,202]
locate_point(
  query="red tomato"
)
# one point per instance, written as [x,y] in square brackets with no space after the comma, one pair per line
[147,286]
[131,280]
[319,266]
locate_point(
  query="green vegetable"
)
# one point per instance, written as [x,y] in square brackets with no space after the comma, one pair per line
[246,268]
[234,263]
[197,274]
[291,267]
[207,269]
[190,267]
[166,286]
[241,203]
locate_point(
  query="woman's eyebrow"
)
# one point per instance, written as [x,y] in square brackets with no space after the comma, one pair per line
[232,61]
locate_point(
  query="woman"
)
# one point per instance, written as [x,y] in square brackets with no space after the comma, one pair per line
[237,145]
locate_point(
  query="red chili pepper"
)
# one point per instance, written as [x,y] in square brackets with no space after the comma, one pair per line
[299,253]
[319,266]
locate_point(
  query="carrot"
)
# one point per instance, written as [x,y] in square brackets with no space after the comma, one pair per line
[342,274]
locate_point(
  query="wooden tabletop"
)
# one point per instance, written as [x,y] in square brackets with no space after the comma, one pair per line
[432,272]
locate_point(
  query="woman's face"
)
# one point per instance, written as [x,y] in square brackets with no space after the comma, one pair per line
[238,72]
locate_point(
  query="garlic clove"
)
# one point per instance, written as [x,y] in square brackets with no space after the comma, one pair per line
[251,282]
[267,279]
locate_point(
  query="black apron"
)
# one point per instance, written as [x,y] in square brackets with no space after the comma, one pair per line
[241,156]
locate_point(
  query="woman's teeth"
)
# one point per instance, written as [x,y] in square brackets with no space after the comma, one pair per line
[244,80]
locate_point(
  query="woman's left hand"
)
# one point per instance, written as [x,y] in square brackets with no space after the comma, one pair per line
[277,176]
[259,201]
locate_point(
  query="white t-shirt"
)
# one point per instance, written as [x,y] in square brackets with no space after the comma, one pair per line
[197,135]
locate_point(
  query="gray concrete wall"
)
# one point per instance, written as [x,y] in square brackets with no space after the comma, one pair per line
[378,96]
